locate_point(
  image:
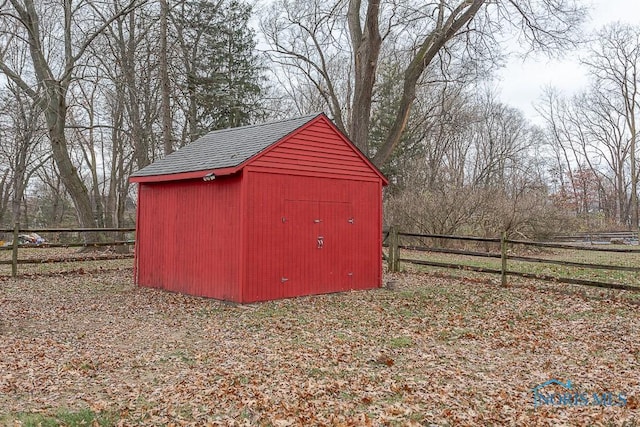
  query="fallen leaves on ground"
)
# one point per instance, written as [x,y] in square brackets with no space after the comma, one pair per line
[434,351]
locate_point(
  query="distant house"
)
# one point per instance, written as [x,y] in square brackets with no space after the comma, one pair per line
[261,212]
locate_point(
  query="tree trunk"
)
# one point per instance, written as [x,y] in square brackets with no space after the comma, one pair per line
[19,173]
[620,194]
[117,161]
[164,80]
[192,111]
[128,50]
[55,113]
[366,49]
[5,195]
[634,179]
[18,194]
[446,29]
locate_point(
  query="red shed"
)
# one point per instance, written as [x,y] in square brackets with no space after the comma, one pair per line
[261,212]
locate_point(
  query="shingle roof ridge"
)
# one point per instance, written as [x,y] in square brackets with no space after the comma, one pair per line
[217,131]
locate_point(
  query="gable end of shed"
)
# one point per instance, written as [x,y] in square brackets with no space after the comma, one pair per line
[316,149]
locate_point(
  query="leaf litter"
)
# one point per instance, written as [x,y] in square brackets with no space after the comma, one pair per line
[434,351]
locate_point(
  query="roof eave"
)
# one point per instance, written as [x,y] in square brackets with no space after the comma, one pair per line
[186,175]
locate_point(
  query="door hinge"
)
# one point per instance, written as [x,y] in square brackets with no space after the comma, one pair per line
[350,220]
[284,279]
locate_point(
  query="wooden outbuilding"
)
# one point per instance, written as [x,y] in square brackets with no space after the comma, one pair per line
[261,212]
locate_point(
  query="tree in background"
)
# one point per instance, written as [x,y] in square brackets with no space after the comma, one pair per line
[594,133]
[475,169]
[116,85]
[56,48]
[615,65]
[22,151]
[222,80]
[338,47]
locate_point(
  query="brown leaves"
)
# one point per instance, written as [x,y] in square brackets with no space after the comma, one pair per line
[436,351]
[384,360]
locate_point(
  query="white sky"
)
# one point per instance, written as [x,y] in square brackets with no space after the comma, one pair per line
[521,83]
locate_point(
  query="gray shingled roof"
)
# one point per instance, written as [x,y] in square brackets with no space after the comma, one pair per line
[224,148]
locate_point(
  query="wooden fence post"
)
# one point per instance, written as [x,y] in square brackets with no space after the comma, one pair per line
[503,258]
[14,255]
[393,263]
[391,255]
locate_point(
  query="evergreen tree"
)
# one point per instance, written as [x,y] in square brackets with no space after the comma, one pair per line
[223,71]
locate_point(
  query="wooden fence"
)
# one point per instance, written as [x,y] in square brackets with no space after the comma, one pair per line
[89,240]
[598,237]
[393,239]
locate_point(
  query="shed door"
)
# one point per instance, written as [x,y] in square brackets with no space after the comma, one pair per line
[319,247]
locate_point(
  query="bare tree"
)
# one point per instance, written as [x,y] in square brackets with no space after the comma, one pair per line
[570,137]
[313,36]
[310,42]
[22,146]
[129,42]
[54,66]
[615,65]
[594,134]
[125,57]
[470,165]
[600,122]
[553,109]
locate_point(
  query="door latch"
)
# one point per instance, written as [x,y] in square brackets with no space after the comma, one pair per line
[320,242]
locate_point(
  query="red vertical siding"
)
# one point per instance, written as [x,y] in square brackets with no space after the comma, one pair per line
[285,217]
[188,237]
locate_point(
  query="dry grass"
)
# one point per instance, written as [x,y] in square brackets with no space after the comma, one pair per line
[434,351]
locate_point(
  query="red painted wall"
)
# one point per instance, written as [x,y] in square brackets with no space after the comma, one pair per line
[187,237]
[285,217]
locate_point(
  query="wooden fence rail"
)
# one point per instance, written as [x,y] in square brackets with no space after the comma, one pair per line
[15,246]
[67,230]
[599,236]
[394,258]
[74,245]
